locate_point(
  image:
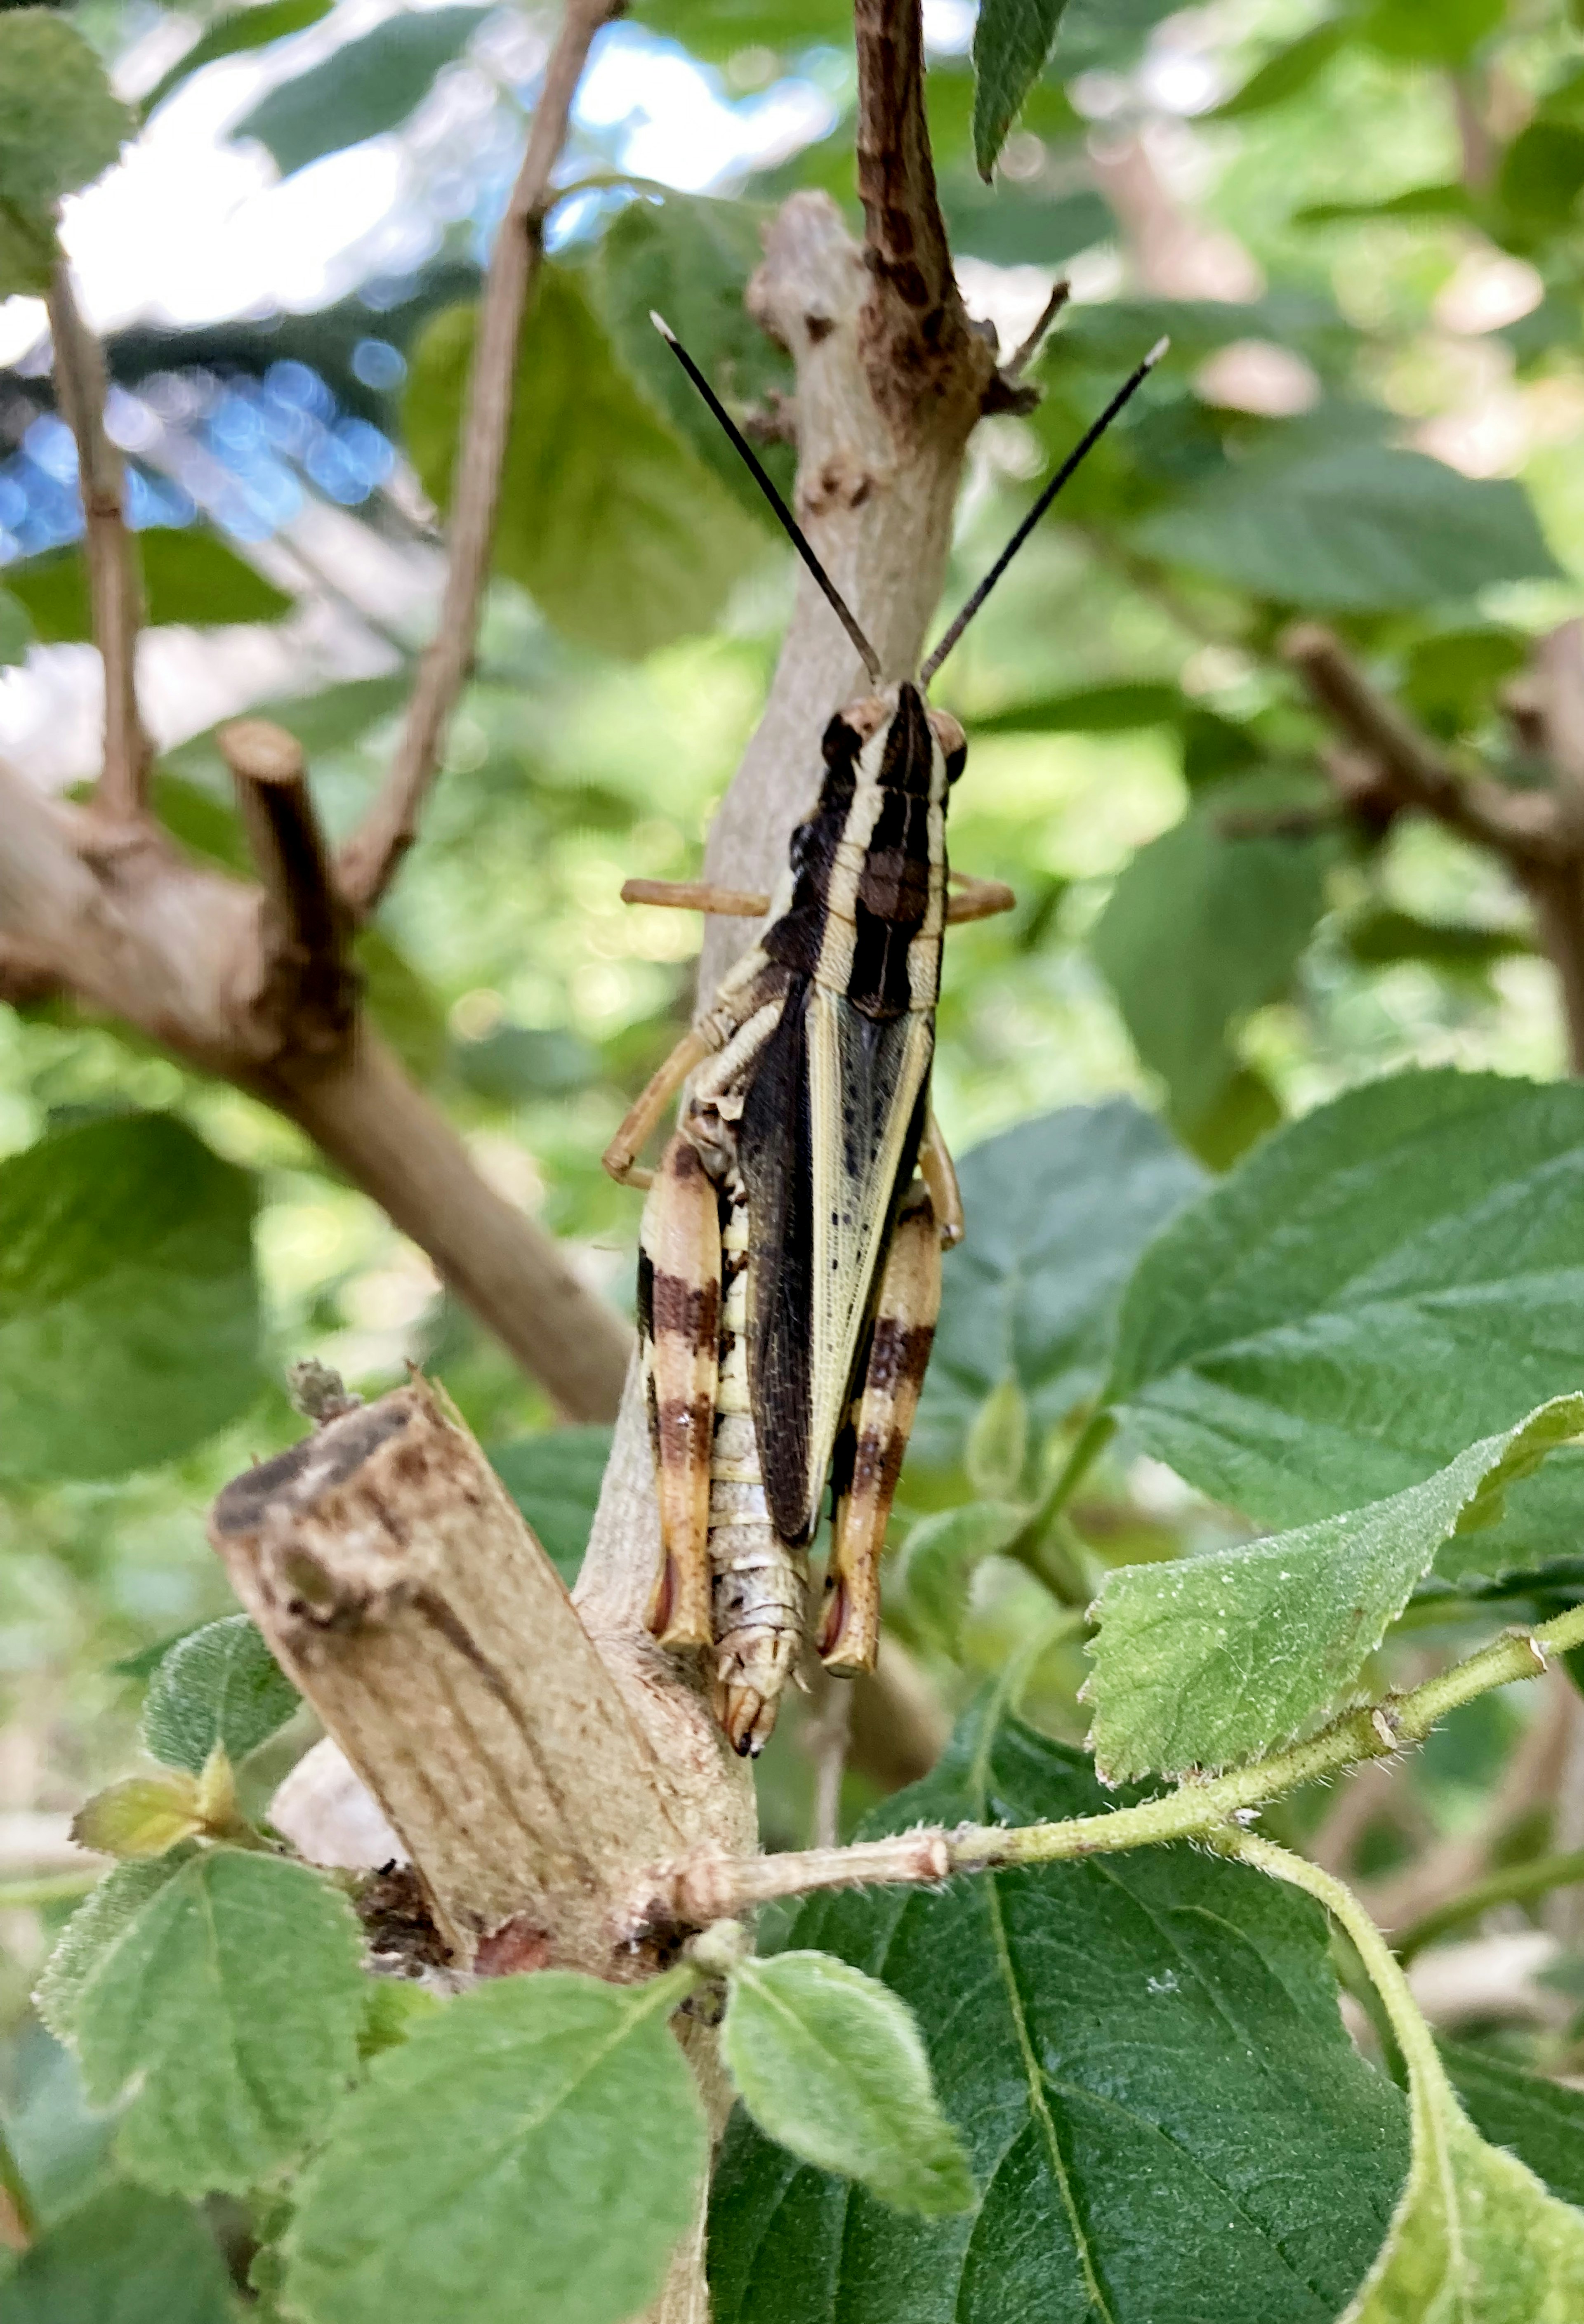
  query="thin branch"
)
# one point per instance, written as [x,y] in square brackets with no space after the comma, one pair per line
[115,586]
[1520,826]
[370,859]
[1060,293]
[305,943]
[696,1890]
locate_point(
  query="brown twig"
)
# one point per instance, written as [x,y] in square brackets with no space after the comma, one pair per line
[114,585]
[304,943]
[370,858]
[1060,293]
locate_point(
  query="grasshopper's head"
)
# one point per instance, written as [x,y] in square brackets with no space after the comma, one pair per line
[895,740]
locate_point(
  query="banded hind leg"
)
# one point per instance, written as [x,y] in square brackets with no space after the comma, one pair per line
[881,1422]
[679,1328]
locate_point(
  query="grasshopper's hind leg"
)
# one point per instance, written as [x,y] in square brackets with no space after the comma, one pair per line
[679,1321]
[643,1115]
[881,1424]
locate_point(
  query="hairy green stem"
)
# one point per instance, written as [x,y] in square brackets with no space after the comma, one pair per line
[1512,1885]
[694,1890]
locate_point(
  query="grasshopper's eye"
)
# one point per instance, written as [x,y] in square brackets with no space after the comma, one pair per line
[953,741]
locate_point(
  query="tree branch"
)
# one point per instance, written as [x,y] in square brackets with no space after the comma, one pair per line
[306,940]
[115,587]
[371,857]
[709,1887]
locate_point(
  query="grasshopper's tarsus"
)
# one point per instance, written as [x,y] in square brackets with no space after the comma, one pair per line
[648,1110]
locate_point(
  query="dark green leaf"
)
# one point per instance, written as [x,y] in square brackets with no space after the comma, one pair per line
[189,576]
[1542,173]
[1011,224]
[514,1062]
[1541,2122]
[1058,1210]
[689,258]
[1363,527]
[1247,1110]
[125,2257]
[16,631]
[1144,2060]
[1209,922]
[555,1480]
[243,28]
[621,534]
[829,2064]
[1087,710]
[1204,1661]
[60,128]
[1284,75]
[219,1688]
[1380,936]
[533,2149]
[1106,35]
[368,85]
[225,2012]
[1447,34]
[1450,678]
[1011,42]
[128,1305]
[1416,201]
[1376,1287]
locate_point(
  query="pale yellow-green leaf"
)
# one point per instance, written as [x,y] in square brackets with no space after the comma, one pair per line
[144,1816]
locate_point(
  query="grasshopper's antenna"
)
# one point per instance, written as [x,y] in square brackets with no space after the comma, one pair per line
[784,516]
[1080,451]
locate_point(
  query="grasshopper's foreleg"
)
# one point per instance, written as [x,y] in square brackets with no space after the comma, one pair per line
[882,1422]
[977,900]
[680,1324]
[643,1116]
[934,1168]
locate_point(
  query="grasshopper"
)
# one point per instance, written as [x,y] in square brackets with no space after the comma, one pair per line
[789,1264]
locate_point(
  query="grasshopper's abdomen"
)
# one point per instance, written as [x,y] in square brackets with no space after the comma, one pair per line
[760,1583]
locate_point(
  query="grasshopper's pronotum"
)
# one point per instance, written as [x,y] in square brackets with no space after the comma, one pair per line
[789,1265]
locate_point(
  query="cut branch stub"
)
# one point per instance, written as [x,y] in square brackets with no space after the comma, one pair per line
[308,980]
[400,1591]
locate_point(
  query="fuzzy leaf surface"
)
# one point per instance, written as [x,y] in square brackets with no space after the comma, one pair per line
[1375,1288]
[219,1687]
[830,2064]
[1058,1210]
[60,128]
[1205,1661]
[615,526]
[128,1303]
[124,2257]
[533,2149]
[229,2005]
[1144,2059]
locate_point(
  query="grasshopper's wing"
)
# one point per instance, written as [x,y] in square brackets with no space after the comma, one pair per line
[831,1127]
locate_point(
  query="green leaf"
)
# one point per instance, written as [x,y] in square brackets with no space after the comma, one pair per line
[93,1931]
[1380,936]
[226,2013]
[1208,922]
[997,1452]
[16,631]
[621,534]
[60,128]
[830,2064]
[1206,1661]
[1357,527]
[367,86]
[1475,2238]
[1542,173]
[243,28]
[1450,678]
[394,2006]
[1447,34]
[1088,710]
[513,1062]
[554,1480]
[1452,200]
[128,1303]
[1058,1210]
[689,258]
[189,576]
[402,1005]
[219,1688]
[532,2150]
[943,1550]
[146,1816]
[1287,74]
[1376,1287]
[1012,225]
[1012,41]
[1541,2121]
[124,2257]
[1145,2061]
